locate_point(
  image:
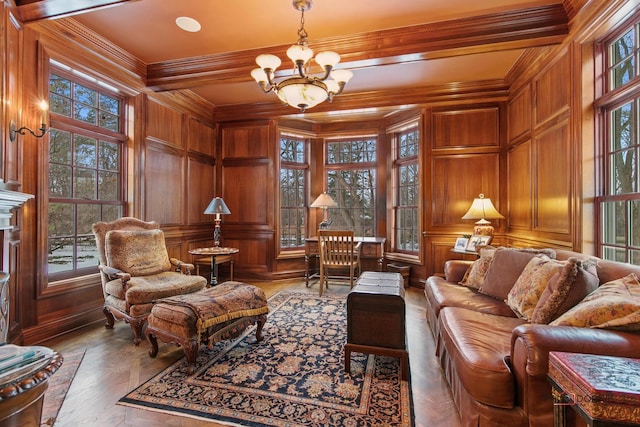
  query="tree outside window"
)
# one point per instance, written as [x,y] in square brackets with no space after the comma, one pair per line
[85,169]
[351,181]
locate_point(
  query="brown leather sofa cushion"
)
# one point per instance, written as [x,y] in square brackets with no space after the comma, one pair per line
[478,345]
[441,293]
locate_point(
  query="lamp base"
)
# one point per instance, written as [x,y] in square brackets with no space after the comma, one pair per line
[483,229]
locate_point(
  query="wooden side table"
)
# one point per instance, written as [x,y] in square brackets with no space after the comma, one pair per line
[602,390]
[214,252]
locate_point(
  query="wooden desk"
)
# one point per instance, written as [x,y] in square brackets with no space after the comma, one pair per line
[223,255]
[603,390]
[372,248]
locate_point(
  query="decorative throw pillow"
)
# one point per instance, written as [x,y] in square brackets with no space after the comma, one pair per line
[507,265]
[474,276]
[575,279]
[137,252]
[525,293]
[614,305]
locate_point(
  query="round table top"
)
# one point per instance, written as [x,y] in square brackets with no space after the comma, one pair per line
[216,250]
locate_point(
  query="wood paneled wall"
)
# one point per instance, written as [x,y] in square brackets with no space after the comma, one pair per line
[541,158]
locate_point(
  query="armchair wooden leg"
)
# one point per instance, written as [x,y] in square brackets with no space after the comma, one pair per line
[110,319]
[136,328]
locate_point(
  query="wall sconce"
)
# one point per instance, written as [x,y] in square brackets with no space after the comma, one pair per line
[218,207]
[14,131]
[324,201]
[482,209]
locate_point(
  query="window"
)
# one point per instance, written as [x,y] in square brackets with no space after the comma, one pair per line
[351,181]
[406,180]
[293,188]
[619,106]
[85,169]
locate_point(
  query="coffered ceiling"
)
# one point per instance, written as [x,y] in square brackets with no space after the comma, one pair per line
[394,48]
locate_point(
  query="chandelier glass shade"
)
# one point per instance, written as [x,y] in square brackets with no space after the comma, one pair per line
[302,90]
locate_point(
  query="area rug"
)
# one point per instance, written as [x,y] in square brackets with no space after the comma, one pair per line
[294,377]
[58,386]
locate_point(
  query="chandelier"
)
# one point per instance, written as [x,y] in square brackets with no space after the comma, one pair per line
[302,90]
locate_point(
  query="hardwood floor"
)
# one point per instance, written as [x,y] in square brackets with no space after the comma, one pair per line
[112,366]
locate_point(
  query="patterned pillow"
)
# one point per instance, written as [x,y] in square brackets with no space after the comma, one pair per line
[575,279]
[525,293]
[137,252]
[614,305]
[474,276]
[507,265]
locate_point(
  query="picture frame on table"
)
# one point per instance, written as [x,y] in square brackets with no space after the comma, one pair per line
[476,241]
[461,244]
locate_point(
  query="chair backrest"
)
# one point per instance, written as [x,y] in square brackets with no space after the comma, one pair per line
[100,230]
[337,247]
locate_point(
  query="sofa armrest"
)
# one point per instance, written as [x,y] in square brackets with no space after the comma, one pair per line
[531,344]
[454,269]
[529,359]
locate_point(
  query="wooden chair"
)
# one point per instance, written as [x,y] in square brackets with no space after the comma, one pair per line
[136,271]
[337,251]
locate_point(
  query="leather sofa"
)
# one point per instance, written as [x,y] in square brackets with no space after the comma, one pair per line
[495,362]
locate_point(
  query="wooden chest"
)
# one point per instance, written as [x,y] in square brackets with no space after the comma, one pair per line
[376,317]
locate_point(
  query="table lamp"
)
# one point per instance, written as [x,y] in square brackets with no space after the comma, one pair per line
[324,201]
[482,209]
[218,207]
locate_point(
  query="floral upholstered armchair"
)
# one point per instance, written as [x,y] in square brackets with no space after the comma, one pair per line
[136,270]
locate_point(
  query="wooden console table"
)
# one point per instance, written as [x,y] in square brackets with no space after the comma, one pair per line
[602,390]
[372,248]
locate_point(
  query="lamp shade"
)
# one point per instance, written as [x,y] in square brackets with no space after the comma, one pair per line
[324,201]
[482,208]
[217,206]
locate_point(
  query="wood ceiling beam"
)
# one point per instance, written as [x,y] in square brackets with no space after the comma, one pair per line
[38,10]
[516,29]
[458,93]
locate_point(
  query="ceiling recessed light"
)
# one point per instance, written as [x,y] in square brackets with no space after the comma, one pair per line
[188,24]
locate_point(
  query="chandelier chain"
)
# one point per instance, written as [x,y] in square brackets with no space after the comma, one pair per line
[302,33]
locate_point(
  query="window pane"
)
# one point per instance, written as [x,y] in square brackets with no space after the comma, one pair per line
[355,151]
[84,184]
[623,151]
[614,224]
[85,95]
[85,114]
[109,104]
[109,121]
[60,86]
[292,149]
[59,146]
[293,190]
[61,219]
[408,143]
[623,59]
[85,151]
[60,105]
[60,255]
[109,158]
[59,181]
[108,186]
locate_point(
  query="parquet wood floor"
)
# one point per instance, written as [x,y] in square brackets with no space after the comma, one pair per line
[112,366]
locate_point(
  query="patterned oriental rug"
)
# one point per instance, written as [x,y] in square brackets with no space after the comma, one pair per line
[295,377]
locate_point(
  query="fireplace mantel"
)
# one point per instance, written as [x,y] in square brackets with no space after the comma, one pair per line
[10,200]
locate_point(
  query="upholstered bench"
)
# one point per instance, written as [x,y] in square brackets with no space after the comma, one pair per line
[206,317]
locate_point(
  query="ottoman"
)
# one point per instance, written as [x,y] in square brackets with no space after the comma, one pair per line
[206,317]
